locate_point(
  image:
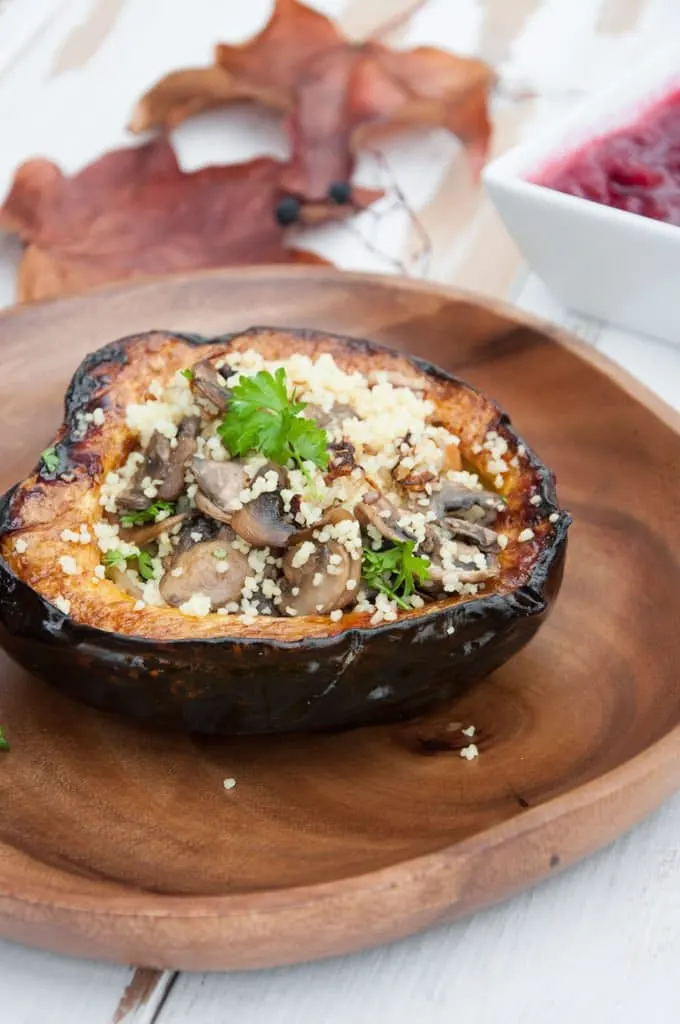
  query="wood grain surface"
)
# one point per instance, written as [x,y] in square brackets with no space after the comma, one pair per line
[123,844]
[598,943]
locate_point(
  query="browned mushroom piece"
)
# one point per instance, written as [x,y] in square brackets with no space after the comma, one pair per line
[482,536]
[220,482]
[172,474]
[469,571]
[330,518]
[310,589]
[261,522]
[267,605]
[378,511]
[141,535]
[481,575]
[156,458]
[272,467]
[207,380]
[196,530]
[431,549]
[454,497]
[163,463]
[209,567]
[124,582]
[316,413]
[210,509]
[332,419]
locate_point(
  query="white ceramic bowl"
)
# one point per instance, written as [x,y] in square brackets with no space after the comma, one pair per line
[598,260]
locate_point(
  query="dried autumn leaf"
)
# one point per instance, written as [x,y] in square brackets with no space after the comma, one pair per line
[338,95]
[346,103]
[183,93]
[264,70]
[135,213]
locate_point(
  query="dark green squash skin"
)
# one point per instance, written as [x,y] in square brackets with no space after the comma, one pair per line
[239,686]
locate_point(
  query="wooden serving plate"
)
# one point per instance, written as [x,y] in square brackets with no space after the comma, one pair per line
[124,845]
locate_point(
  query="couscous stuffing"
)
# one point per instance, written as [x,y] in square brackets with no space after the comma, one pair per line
[295,488]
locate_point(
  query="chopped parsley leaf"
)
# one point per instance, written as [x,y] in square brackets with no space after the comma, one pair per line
[50,459]
[394,571]
[146,515]
[145,565]
[113,557]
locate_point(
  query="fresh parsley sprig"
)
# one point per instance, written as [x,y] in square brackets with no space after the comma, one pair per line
[264,418]
[4,743]
[146,515]
[394,570]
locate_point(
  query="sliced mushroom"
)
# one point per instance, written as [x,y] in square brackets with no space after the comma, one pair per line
[272,467]
[156,458]
[431,547]
[210,567]
[468,573]
[455,498]
[164,463]
[198,529]
[334,418]
[260,522]
[141,535]
[378,511]
[331,517]
[333,590]
[209,383]
[210,509]
[220,482]
[477,575]
[172,473]
[124,582]
[482,536]
[316,413]
[267,605]
[432,543]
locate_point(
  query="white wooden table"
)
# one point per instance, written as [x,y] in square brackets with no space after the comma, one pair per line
[598,944]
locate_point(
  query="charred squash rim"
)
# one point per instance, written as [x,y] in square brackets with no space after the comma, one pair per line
[45,503]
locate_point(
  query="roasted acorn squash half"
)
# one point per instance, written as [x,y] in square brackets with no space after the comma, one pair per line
[226,672]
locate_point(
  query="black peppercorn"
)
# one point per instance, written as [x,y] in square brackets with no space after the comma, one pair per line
[287,211]
[340,192]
